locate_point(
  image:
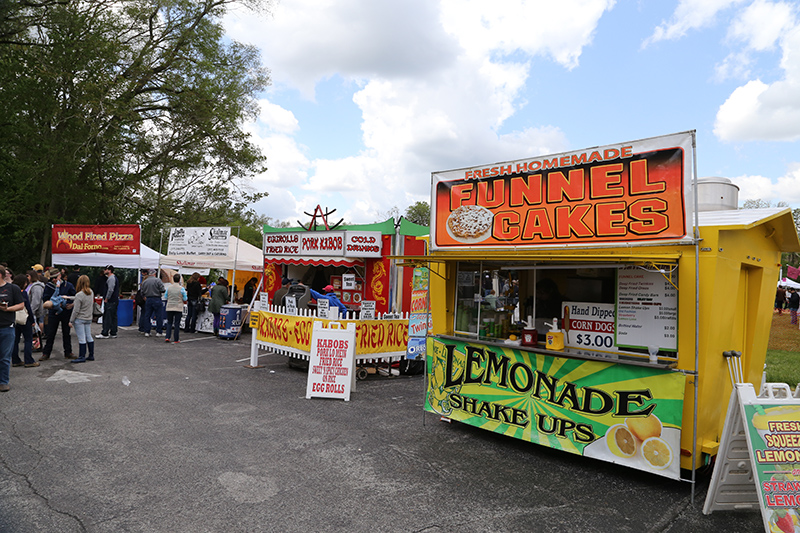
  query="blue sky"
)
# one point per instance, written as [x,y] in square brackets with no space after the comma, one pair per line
[368,98]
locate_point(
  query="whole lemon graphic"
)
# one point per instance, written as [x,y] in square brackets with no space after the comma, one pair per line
[644,428]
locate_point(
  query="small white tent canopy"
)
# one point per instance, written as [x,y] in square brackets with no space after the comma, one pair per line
[147,258]
[786,282]
[241,256]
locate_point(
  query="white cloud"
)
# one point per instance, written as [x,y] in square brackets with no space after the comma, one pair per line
[761,111]
[276,118]
[762,23]
[735,66]
[785,189]
[559,30]
[689,15]
[435,83]
[309,40]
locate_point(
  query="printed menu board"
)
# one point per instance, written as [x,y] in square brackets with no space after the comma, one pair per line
[647,310]
[351,297]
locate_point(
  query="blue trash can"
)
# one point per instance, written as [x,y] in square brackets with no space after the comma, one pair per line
[125,313]
[230,321]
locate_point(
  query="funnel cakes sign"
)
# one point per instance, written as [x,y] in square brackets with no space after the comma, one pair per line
[630,192]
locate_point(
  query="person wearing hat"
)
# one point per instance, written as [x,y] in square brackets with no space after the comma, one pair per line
[329,295]
[110,304]
[277,298]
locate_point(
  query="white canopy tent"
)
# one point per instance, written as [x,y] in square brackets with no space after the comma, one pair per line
[786,282]
[241,256]
[147,258]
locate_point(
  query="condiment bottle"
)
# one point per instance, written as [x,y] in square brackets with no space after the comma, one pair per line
[555,337]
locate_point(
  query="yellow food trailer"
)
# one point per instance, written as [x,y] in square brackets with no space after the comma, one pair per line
[605,251]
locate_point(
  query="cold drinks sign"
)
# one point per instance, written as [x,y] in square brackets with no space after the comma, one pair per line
[631,192]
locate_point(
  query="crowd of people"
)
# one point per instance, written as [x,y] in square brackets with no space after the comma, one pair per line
[787,298]
[37,304]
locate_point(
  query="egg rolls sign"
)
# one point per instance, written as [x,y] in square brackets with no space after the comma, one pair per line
[637,191]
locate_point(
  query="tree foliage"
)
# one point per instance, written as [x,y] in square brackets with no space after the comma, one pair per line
[419,213]
[122,111]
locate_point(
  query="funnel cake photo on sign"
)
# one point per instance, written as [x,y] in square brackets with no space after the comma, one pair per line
[470,224]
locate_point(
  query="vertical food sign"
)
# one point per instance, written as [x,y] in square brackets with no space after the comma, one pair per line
[630,192]
[418,319]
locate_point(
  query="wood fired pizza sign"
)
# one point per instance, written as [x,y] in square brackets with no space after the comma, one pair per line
[632,192]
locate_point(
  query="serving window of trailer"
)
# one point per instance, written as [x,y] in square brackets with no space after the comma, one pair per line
[599,307]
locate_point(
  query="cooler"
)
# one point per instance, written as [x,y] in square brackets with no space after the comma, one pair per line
[125,313]
[230,320]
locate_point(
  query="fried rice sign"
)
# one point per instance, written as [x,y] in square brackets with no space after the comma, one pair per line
[372,336]
[636,191]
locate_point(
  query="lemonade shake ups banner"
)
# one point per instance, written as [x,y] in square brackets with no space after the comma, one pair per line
[107,239]
[624,414]
[630,192]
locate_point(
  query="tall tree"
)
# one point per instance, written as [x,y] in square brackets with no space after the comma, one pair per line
[122,111]
[419,213]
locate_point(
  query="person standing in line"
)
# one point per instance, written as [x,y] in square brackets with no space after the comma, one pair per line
[780,299]
[176,298]
[57,315]
[193,292]
[152,289]
[24,330]
[35,296]
[794,304]
[73,276]
[219,295]
[110,304]
[11,301]
[81,319]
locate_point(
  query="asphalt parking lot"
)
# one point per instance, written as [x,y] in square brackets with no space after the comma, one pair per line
[183,438]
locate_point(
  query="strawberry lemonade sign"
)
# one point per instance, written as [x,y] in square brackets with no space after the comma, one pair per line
[631,192]
[629,415]
[108,239]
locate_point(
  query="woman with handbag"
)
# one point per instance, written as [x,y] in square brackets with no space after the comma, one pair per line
[23,327]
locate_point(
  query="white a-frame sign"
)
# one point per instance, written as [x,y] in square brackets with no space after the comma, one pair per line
[758,464]
[331,368]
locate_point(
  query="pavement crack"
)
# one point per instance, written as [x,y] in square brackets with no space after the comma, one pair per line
[25,476]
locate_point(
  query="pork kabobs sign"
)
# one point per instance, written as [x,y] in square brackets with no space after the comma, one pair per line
[624,414]
[631,192]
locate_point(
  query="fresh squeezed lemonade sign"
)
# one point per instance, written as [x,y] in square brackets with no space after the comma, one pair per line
[622,193]
[774,437]
[629,415]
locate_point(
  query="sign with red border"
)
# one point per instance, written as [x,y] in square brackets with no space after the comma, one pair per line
[630,192]
[107,239]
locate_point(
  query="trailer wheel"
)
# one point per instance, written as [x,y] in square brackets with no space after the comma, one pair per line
[361,373]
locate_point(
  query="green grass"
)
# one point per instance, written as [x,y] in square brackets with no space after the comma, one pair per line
[783,367]
[783,352]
